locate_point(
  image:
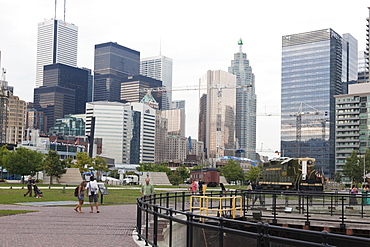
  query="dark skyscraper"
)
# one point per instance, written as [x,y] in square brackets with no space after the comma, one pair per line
[315,66]
[113,64]
[64,92]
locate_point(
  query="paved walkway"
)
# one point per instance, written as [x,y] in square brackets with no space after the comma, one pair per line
[62,226]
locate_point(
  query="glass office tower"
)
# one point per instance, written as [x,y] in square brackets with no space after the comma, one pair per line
[113,64]
[246,100]
[315,66]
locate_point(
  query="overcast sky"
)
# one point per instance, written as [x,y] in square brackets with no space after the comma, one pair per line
[198,35]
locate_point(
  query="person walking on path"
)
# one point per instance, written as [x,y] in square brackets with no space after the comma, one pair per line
[352,197]
[193,189]
[30,184]
[147,189]
[258,194]
[81,196]
[92,188]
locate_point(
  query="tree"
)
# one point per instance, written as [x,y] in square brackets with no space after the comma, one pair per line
[84,162]
[99,165]
[232,171]
[178,176]
[353,168]
[3,151]
[52,166]
[23,161]
[253,174]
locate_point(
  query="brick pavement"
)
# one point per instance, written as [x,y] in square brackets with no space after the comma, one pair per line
[62,226]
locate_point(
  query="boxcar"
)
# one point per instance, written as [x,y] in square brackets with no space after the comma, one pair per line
[209,176]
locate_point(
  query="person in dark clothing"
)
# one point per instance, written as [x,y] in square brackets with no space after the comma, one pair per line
[258,194]
[30,183]
[200,187]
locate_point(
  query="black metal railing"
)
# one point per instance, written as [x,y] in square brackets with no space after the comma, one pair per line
[166,218]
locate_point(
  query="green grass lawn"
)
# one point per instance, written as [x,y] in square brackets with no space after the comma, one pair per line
[12,212]
[11,196]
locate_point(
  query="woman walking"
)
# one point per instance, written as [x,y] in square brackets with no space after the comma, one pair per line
[352,197]
[81,196]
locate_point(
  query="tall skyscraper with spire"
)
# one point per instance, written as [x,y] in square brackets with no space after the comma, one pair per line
[56,43]
[246,100]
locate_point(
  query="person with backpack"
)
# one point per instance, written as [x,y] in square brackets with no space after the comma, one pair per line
[79,193]
[92,188]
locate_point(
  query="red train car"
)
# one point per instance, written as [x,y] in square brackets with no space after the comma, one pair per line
[209,176]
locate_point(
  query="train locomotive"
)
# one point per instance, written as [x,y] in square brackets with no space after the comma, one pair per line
[292,174]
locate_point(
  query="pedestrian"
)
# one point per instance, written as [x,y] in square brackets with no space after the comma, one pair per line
[258,194]
[93,192]
[364,194]
[147,189]
[80,196]
[352,197]
[200,185]
[30,184]
[249,185]
[193,189]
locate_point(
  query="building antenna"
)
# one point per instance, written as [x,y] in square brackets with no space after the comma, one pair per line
[240,43]
[55,10]
[160,46]
[64,10]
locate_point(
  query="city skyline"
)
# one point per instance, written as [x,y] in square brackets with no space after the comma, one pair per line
[196,40]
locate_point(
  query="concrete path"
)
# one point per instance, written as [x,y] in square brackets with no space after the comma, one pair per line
[62,226]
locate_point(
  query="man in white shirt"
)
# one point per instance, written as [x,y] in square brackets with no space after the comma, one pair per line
[92,189]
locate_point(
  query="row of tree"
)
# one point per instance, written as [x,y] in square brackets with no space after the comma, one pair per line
[23,161]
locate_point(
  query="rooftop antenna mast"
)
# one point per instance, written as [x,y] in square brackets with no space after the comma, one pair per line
[55,10]
[64,10]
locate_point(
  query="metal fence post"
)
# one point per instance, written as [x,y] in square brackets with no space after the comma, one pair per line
[170,240]
[307,223]
[221,233]
[155,227]
[189,229]
[274,221]
[342,225]
[138,218]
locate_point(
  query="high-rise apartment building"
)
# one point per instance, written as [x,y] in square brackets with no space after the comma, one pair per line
[16,120]
[352,118]
[159,68]
[246,100]
[113,63]
[315,66]
[56,43]
[218,102]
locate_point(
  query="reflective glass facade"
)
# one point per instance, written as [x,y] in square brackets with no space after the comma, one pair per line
[313,67]
[217,129]
[113,63]
[246,100]
[55,102]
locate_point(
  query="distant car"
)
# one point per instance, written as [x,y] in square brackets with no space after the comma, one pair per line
[109,179]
